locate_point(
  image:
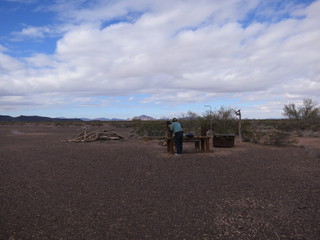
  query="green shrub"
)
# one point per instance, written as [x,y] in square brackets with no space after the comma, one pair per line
[150,128]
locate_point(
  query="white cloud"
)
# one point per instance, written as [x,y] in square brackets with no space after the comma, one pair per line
[32,32]
[172,55]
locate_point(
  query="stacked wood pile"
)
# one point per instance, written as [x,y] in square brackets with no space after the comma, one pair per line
[98,135]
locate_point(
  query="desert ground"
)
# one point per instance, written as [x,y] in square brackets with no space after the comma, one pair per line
[132,189]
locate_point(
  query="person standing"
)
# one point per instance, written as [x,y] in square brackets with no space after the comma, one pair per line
[177,130]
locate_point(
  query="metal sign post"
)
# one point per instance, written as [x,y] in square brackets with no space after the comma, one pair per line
[238,113]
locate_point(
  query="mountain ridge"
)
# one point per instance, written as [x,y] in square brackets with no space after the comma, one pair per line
[36,118]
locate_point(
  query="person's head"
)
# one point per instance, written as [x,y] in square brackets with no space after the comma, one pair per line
[174,120]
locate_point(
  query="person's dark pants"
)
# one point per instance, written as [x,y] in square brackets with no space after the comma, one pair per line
[178,136]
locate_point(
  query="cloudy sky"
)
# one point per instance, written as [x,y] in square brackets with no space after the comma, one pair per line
[124,58]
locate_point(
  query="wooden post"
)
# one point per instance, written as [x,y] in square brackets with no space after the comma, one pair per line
[169,138]
[207,144]
[197,145]
[170,145]
[204,130]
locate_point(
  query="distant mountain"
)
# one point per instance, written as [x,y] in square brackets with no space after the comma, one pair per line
[102,119]
[144,118]
[5,118]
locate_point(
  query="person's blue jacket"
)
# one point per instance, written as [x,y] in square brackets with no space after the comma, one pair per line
[175,127]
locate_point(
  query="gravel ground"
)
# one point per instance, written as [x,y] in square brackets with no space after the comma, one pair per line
[132,189]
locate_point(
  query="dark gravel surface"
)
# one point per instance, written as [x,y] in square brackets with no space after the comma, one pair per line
[51,189]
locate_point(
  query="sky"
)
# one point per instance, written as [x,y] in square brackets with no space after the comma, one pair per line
[125,58]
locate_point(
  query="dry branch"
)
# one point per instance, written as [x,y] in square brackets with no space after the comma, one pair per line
[96,136]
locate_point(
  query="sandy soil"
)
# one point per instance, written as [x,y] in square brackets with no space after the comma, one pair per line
[132,189]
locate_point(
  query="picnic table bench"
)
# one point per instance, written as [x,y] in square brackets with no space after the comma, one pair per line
[201,143]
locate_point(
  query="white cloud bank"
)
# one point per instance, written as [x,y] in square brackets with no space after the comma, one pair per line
[172,52]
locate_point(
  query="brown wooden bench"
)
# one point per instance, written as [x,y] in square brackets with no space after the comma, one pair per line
[201,143]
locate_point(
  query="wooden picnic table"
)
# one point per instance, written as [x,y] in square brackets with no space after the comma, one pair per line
[201,143]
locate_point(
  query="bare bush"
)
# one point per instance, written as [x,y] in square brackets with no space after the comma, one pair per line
[150,128]
[279,138]
[303,117]
[268,135]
